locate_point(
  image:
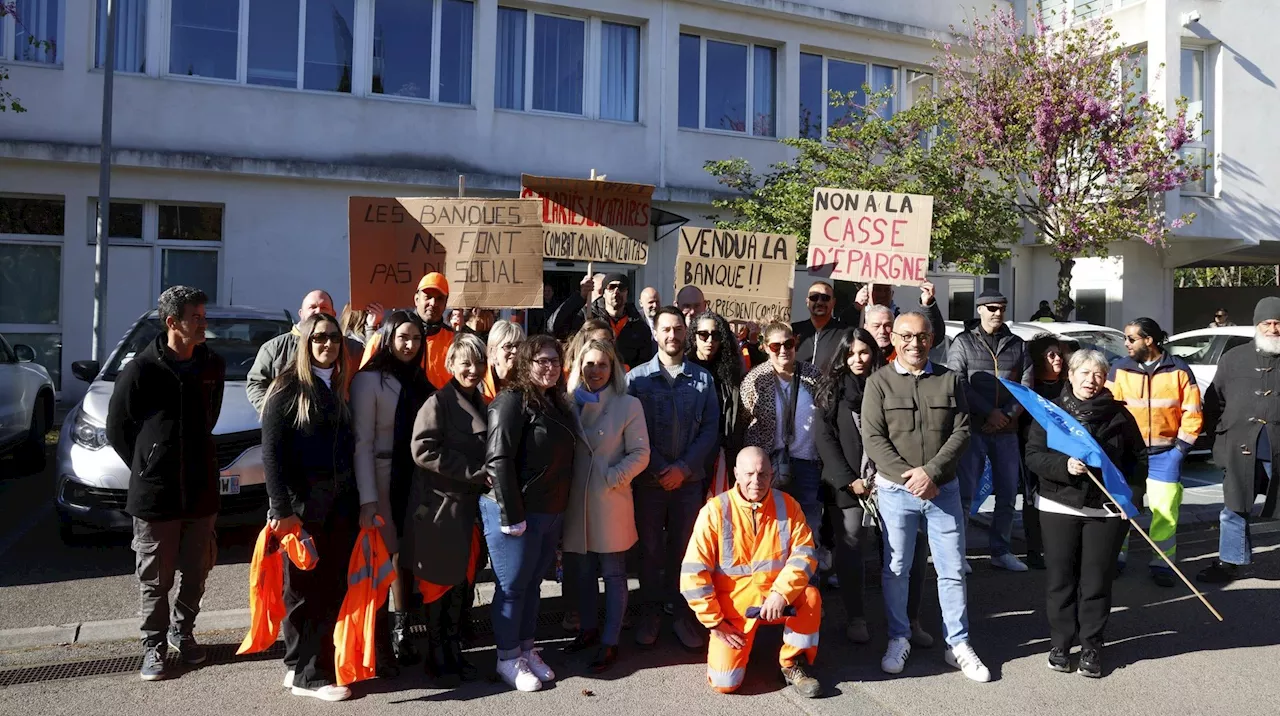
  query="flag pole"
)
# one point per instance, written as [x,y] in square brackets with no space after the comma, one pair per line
[1157,549]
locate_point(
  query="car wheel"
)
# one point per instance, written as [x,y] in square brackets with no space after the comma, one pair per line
[32,454]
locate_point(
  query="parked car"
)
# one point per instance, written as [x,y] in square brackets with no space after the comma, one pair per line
[26,404]
[1100,338]
[1202,349]
[92,481]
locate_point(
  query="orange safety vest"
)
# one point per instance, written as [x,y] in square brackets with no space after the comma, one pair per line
[433,366]
[266,584]
[369,576]
[432,591]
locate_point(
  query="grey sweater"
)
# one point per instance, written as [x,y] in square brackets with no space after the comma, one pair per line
[911,421]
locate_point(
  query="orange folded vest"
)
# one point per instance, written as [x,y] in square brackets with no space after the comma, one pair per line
[266,584]
[432,591]
[369,576]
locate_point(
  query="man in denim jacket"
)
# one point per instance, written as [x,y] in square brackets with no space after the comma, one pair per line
[682,413]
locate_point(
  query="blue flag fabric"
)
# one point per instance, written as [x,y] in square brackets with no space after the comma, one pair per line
[1069,437]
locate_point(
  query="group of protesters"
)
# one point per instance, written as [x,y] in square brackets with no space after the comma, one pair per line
[746,466]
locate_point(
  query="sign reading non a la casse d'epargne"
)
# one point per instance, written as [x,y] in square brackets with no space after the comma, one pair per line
[490,250]
[870,237]
[744,276]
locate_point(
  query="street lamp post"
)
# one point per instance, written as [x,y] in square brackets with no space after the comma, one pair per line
[104,192]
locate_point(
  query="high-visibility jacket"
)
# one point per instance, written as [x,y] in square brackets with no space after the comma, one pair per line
[1164,400]
[432,591]
[433,355]
[369,576]
[740,551]
[266,584]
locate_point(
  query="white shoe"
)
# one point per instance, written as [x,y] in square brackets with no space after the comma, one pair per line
[538,666]
[328,692]
[968,568]
[1009,562]
[963,658]
[517,674]
[288,679]
[895,657]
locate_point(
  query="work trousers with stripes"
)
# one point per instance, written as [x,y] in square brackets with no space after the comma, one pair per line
[727,666]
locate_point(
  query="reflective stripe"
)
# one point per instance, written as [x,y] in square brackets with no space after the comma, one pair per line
[726,679]
[1186,437]
[744,570]
[309,545]
[693,568]
[1159,441]
[802,565]
[1191,408]
[383,573]
[805,551]
[703,592]
[1153,402]
[798,640]
[784,524]
[726,533]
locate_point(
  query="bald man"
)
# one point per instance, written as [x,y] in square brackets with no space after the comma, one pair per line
[650,302]
[278,353]
[691,302]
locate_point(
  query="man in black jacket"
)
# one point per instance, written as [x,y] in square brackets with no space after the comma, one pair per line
[819,336]
[631,333]
[163,410]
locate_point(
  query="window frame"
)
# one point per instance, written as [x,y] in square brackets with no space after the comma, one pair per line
[749,102]
[146,18]
[45,240]
[151,238]
[9,44]
[1208,61]
[899,82]
[437,27]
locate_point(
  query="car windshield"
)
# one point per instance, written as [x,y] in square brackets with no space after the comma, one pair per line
[1110,344]
[236,340]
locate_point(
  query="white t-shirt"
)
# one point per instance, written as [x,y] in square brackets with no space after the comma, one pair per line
[804,444]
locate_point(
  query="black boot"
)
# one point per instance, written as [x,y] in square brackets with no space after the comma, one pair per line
[384,655]
[585,639]
[402,641]
[456,661]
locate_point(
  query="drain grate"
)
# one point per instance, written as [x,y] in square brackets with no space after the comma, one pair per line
[218,654]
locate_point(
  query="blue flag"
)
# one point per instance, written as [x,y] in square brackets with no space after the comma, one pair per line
[1068,436]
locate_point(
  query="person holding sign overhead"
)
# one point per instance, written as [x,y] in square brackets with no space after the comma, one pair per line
[429,303]
[818,336]
[631,333]
[881,294]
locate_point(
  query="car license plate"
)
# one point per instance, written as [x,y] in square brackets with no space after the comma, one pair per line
[229,485]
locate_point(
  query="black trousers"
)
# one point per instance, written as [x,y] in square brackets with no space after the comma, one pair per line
[1080,556]
[444,615]
[850,562]
[313,599]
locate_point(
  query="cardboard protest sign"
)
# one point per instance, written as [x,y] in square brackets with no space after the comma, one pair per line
[871,237]
[592,220]
[489,249]
[744,276]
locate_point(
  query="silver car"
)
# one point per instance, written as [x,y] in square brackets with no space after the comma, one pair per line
[92,481]
[26,404]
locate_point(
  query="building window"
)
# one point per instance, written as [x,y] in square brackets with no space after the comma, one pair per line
[126,221]
[31,236]
[920,88]
[204,38]
[821,77]
[131,35]
[32,216]
[728,86]
[1199,151]
[32,31]
[546,63]
[185,222]
[185,240]
[421,45]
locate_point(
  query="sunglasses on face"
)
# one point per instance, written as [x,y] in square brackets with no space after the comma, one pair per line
[994,307]
[1133,339]
[707,335]
[789,344]
[819,297]
[325,338]
[510,347]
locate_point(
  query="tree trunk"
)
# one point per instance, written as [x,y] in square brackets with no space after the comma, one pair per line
[1064,306]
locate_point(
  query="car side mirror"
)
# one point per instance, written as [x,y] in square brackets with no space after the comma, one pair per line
[25,353]
[86,370]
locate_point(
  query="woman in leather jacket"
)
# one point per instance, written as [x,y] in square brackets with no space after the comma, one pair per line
[532,437]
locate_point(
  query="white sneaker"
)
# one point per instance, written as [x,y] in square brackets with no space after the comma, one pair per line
[1009,562]
[538,666]
[517,674]
[963,658]
[968,568]
[328,692]
[895,657]
[288,679]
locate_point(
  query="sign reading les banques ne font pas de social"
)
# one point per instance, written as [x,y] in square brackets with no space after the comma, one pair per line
[744,276]
[592,220]
[870,237]
[489,249]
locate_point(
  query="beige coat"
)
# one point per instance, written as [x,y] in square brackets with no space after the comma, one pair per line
[373,412]
[614,449]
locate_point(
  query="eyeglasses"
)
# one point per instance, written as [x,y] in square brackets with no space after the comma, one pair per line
[707,336]
[319,338]
[789,344]
[1132,339]
[819,297]
[995,307]
[510,347]
[1219,315]
[547,362]
[615,287]
[914,337]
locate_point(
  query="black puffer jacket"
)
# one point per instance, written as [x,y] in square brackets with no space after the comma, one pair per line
[309,471]
[977,367]
[529,456]
[1115,430]
[634,340]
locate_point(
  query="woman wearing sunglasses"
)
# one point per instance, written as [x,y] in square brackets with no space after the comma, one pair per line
[712,345]
[307,448]
[782,414]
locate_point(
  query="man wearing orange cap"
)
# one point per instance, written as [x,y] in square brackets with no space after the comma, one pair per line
[429,303]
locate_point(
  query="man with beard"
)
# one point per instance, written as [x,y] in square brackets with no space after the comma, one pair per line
[631,333]
[1244,400]
[819,336]
[429,304]
[1161,392]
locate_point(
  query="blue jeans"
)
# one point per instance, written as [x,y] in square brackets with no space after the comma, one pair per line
[806,481]
[1235,544]
[519,564]
[613,567]
[901,513]
[664,521]
[1006,469]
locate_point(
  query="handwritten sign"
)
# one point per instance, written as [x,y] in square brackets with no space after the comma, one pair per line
[744,276]
[876,237]
[591,220]
[489,249]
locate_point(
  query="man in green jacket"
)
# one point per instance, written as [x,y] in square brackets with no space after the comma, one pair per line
[278,353]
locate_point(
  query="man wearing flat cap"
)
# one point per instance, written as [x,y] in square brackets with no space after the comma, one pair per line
[1242,407]
[631,333]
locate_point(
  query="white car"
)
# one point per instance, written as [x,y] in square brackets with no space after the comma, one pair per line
[1107,340]
[26,404]
[93,483]
[1203,347]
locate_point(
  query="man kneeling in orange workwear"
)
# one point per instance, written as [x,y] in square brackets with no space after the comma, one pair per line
[749,562]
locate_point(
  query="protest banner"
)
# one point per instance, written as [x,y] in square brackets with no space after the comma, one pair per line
[592,220]
[489,249]
[870,237]
[744,276]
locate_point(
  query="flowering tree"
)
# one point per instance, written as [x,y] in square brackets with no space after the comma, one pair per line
[1053,118]
[906,152]
[9,103]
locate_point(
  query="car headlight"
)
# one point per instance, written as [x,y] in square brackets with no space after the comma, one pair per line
[88,434]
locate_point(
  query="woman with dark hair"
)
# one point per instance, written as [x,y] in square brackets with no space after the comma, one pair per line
[532,437]
[307,448]
[850,474]
[1047,362]
[712,345]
